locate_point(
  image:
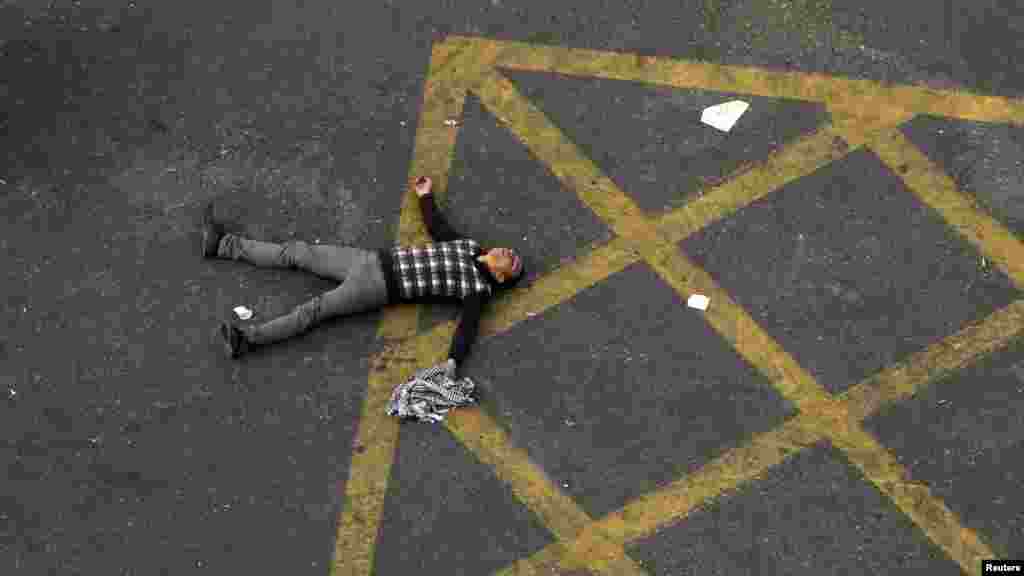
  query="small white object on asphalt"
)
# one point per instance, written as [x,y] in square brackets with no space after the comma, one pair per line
[698,301]
[724,116]
[243,312]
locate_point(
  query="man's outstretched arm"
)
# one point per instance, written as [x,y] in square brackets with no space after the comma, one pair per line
[438,227]
[469,326]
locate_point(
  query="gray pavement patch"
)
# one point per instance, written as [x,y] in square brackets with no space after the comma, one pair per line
[650,140]
[967,444]
[985,160]
[446,513]
[814,514]
[622,389]
[848,270]
[501,195]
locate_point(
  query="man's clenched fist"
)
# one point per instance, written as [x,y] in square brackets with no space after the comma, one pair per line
[423,185]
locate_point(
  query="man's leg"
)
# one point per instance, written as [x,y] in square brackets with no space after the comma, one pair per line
[324,260]
[363,290]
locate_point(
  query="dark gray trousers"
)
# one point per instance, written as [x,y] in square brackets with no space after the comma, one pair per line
[359,271]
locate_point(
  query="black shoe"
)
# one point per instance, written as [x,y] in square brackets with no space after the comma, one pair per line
[235,343]
[212,233]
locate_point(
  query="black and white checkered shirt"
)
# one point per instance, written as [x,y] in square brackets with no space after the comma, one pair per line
[446,269]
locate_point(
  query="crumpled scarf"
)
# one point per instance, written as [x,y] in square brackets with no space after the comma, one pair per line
[431,393]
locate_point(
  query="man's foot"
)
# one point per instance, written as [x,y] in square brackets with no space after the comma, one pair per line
[212,233]
[235,343]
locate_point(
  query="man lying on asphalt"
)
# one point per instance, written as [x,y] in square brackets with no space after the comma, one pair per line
[452,268]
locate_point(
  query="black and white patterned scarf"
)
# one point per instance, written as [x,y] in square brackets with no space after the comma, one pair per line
[431,393]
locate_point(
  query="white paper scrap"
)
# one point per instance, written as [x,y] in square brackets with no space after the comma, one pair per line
[243,312]
[724,116]
[698,301]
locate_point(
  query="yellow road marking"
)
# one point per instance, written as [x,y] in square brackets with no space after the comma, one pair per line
[650,512]
[904,379]
[823,412]
[732,470]
[805,156]
[485,439]
[558,511]
[865,98]
[570,165]
[367,483]
[937,521]
[377,435]
[933,187]
[556,287]
[864,113]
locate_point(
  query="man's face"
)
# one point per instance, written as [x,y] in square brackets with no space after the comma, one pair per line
[502,263]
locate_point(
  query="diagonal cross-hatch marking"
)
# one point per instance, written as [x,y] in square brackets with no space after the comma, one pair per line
[864,114]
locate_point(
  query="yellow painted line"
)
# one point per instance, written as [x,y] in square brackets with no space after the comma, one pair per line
[863,97]
[599,193]
[821,410]
[603,197]
[735,325]
[545,562]
[938,522]
[936,189]
[487,441]
[444,96]
[673,502]
[369,470]
[478,432]
[861,110]
[556,287]
[957,351]
[566,281]
[566,161]
[514,307]
[377,435]
[532,487]
[858,129]
[654,511]
[804,156]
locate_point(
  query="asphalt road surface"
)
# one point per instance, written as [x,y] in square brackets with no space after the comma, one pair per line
[131,445]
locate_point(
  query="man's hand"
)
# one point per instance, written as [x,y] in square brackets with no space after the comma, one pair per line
[423,185]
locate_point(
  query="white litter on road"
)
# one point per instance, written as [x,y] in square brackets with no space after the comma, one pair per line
[724,116]
[698,301]
[243,312]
